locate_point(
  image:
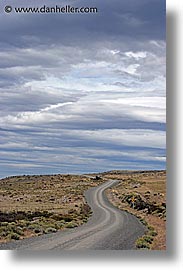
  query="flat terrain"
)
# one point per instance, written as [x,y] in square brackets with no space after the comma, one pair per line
[58,209]
[35,205]
[108,228]
[144,195]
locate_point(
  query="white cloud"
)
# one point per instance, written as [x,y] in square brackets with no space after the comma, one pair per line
[136,55]
[132,137]
[83,107]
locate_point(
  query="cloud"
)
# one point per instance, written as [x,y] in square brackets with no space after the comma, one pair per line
[127,17]
[86,91]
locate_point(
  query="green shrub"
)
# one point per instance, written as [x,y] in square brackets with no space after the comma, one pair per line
[148,238]
[12,223]
[32,226]
[37,230]
[150,227]
[141,243]
[152,233]
[59,225]
[4,233]
[143,221]
[4,223]
[71,225]
[18,230]
[14,236]
[50,230]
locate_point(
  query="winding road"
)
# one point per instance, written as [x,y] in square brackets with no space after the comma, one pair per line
[108,228]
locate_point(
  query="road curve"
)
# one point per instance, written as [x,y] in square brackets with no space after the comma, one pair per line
[108,228]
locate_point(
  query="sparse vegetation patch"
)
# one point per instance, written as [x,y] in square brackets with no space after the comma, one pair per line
[143,193]
[35,205]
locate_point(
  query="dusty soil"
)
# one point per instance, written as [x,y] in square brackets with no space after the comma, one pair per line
[34,205]
[42,204]
[144,195]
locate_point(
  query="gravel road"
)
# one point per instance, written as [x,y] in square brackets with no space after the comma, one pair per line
[108,229]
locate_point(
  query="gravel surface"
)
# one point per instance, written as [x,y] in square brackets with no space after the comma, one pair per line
[108,228]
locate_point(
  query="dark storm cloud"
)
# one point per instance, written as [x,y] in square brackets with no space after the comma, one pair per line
[116,19]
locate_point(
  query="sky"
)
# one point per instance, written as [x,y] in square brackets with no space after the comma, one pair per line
[83,93]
